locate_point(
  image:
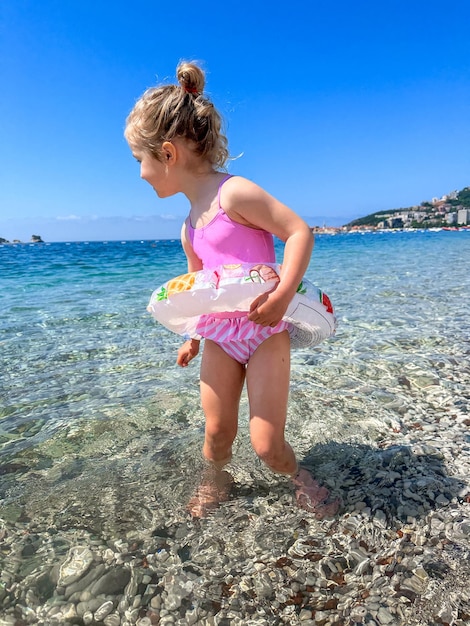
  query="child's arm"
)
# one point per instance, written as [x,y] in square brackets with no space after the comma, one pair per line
[249,204]
[190,348]
[187,352]
[194,262]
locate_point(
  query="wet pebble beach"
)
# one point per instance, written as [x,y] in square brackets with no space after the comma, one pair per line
[397,553]
[94,527]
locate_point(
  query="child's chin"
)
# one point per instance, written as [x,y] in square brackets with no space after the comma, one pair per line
[161,194]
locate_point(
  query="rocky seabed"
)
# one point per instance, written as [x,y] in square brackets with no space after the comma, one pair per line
[397,553]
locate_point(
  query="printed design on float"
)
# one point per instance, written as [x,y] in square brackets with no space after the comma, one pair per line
[262,273]
[324,299]
[185,282]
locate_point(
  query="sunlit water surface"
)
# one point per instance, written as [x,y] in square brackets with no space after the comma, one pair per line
[100,430]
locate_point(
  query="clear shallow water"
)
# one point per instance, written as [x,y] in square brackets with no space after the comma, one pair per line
[100,431]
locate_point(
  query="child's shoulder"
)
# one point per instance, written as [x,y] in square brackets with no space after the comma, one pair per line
[240,198]
[240,186]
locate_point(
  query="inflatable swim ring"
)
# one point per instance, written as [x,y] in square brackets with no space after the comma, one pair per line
[179,303]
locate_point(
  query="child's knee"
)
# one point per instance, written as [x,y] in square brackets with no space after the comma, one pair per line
[276,454]
[219,432]
[266,449]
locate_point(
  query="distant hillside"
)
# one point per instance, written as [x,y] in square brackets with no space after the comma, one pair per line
[463,198]
[444,205]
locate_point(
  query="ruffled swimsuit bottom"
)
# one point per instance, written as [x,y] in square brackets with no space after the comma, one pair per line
[238,336]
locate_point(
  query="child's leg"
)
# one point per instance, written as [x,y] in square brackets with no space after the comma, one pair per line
[267,377]
[222,381]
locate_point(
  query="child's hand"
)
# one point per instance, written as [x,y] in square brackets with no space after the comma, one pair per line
[268,309]
[187,352]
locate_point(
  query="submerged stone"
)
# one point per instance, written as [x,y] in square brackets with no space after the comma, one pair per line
[75,565]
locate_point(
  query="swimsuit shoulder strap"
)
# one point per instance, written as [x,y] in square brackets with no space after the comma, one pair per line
[189,226]
[220,188]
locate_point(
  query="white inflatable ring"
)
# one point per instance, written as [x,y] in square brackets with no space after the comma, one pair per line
[179,303]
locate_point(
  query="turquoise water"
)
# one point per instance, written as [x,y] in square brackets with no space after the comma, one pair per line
[78,346]
[101,431]
[76,337]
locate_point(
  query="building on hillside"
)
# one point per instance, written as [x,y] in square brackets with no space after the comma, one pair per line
[395,222]
[418,216]
[463,216]
[451,218]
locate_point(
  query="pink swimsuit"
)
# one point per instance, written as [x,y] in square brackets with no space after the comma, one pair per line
[223,242]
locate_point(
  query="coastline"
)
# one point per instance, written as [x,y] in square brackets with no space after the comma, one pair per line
[316,230]
[343,230]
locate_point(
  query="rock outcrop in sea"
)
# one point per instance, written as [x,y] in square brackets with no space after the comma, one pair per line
[34,239]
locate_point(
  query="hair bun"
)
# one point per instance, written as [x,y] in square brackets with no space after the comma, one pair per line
[190,77]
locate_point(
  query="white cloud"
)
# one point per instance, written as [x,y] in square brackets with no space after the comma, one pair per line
[169,216]
[65,218]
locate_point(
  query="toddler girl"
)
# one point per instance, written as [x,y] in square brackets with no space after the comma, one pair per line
[175,133]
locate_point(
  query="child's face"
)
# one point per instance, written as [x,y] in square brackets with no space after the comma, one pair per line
[154,172]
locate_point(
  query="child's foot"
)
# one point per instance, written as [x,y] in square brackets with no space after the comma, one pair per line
[311,496]
[215,488]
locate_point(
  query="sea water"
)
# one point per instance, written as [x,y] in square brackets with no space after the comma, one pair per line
[101,430]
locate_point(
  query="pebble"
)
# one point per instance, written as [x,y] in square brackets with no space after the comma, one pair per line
[113,619]
[112,582]
[305,614]
[75,565]
[87,618]
[384,616]
[85,581]
[103,611]
[89,606]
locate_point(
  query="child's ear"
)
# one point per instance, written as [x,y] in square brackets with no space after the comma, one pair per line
[169,152]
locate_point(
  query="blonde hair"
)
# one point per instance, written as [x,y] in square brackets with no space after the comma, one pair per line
[178,111]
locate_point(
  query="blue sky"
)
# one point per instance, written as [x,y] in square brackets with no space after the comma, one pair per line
[339,108]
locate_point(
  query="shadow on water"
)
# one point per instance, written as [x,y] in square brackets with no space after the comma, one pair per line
[399,481]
